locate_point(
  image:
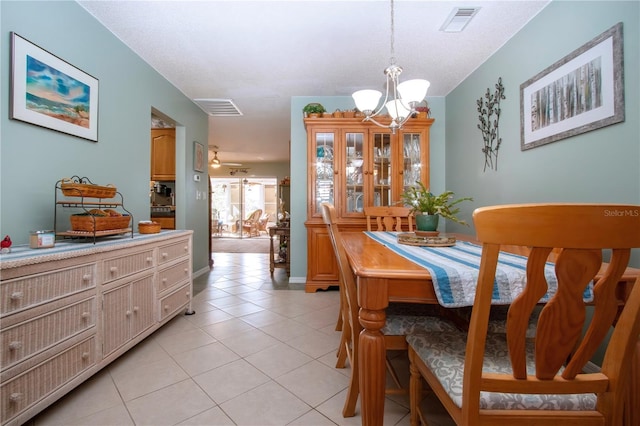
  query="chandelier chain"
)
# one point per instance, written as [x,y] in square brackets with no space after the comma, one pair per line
[393,53]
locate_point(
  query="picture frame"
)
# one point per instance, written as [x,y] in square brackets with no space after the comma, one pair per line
[70,106]
[581,92]
[198,157]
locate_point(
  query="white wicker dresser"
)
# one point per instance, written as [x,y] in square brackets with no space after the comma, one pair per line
[68,311]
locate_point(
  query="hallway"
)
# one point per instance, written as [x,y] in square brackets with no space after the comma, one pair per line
[256,352]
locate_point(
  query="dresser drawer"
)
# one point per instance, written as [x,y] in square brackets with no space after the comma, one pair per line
[169,252]
[172,276]
[119,267]
[22,293]
[27,338]
[175,301]
[24,390]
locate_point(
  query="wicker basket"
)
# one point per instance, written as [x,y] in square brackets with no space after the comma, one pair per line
[149,228]
[85,222]
[71,188]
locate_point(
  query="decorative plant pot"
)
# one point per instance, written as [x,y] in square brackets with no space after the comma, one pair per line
[427,222]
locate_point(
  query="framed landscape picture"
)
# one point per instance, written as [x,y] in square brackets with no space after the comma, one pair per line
[583,91]
[49,92]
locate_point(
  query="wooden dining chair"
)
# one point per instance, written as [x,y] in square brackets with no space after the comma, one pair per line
[508,379]
[397,324]
[387,218]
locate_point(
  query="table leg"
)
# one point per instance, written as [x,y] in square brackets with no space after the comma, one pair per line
[271,254]
[632,400]
[372,351]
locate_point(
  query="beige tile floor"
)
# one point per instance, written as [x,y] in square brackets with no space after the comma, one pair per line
[258,351]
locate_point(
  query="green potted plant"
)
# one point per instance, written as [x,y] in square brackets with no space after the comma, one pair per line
[313,110]
[428,207]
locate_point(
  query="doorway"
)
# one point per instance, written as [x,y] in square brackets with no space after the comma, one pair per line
[243,207]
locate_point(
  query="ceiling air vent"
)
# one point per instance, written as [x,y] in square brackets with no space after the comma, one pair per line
[218,107]
[458,19]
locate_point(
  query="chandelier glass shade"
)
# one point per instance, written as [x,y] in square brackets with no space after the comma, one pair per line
[215,163]
[400,99]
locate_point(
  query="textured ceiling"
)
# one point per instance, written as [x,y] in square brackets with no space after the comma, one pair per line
[261,53]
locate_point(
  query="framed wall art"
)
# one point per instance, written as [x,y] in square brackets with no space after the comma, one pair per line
[49,92]
[583,91]
[198,157]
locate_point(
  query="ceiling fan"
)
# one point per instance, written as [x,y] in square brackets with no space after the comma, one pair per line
[215,161]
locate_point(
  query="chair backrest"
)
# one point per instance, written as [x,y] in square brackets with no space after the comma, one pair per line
[389,218]
[253,217]
[348,291]
[582,232]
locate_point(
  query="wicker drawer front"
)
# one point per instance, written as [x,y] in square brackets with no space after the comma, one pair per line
[173,251]
[22,293]
[30,337]
[126,265]
[174,302]
[24,390]
[173,276]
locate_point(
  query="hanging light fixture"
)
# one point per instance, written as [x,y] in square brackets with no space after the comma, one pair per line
[400,99]
[215,163]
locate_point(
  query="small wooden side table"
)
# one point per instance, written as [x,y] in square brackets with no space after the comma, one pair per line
[282,258]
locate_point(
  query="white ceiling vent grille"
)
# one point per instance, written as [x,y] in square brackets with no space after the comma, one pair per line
[218,107]
[458,19]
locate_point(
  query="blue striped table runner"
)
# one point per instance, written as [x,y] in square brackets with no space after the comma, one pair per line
[454,271]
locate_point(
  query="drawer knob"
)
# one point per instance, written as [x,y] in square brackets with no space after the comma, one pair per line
[85,315]
[85,355]
[186,271]
[149,259]
[113,269]
[17,295]
[128,313]
[16,344]
[86,277]
[166,307]
[165,254]
[15,397]
[164,281]
[186,248]
[136,309]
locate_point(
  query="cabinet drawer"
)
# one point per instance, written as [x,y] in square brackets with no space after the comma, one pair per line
[172,276]
[170,304]
[21,293]
[24,390]
[173,251]
[30,337]
[126,265]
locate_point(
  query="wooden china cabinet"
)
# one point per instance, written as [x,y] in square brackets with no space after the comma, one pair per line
[353,164]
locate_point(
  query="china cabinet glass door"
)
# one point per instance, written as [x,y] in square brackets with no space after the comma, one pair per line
[382,169]
[354,173]
[412,160]
[325,165]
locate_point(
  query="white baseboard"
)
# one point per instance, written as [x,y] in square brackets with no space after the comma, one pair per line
[202,271]
[298,280]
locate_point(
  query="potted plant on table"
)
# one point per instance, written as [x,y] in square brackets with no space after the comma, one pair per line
[428,207]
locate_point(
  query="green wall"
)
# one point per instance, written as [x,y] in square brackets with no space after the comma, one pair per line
[599,166]
[32,159]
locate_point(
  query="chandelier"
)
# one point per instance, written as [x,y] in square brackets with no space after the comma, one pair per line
[215,163]
[400,99]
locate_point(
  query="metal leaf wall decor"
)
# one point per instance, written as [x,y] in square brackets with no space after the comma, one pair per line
[489,117]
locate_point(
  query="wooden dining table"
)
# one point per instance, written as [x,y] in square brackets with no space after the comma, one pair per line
[383,276]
